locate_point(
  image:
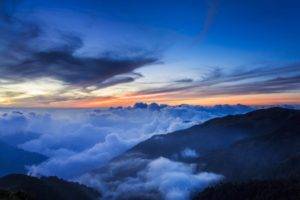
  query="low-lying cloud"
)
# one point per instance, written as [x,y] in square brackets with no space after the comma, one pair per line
[77,141]
[159,179]
[174,180]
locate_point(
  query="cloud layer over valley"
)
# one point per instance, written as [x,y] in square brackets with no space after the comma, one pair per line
[78,141]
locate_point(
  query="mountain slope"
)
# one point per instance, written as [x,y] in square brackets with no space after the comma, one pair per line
[253,190]
[271,155]
[215,134]
[260,144]
[10,195]
[14,160]
[45,188]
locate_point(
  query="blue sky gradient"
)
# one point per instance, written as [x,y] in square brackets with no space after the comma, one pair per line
[207,42]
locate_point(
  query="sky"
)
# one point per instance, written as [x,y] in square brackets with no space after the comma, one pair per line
[113,53]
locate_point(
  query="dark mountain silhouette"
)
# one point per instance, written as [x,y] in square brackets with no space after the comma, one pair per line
[17,186]
[215,136]
[274,154]
[15,160]
[253,190]
[10,195]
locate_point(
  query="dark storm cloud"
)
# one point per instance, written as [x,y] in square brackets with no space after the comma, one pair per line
[254,81]
[23,56]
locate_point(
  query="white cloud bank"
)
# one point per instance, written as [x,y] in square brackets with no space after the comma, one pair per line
[174,180]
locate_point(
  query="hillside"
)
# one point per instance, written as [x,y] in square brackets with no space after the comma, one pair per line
[253,190]
[217,133]
[260,144]
[272,155]
[11,195]
[45,188]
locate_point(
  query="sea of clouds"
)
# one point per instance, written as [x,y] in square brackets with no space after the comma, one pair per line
[80,140]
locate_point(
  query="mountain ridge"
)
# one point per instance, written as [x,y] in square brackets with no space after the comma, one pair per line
[216,133]
[46,188]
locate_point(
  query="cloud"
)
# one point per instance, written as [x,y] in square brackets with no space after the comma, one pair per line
[185,80]
[189,153]
[276,85]
[255,81]
[28,53]
[176,180]
[159,179]
[118,79]
[72,165]
[212,10]
[13,122]
[62,64]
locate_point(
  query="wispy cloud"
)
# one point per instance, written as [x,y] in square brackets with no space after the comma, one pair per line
[185,80]
[254,81]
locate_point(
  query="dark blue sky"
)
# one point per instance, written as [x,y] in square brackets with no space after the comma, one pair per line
[158,46]
[248,24]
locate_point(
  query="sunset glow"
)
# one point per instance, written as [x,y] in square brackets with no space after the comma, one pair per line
[73,58]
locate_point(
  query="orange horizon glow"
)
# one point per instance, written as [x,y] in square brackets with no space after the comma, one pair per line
[253,99]
[258,99]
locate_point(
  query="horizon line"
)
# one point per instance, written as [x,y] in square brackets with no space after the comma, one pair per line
[160,104]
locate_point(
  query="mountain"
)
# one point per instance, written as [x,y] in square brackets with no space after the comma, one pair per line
[258,153]
[217,133]
[260,144]
[275,154]
[10,195]
[23,187]
[15,160]
[247,149]
[253,190]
